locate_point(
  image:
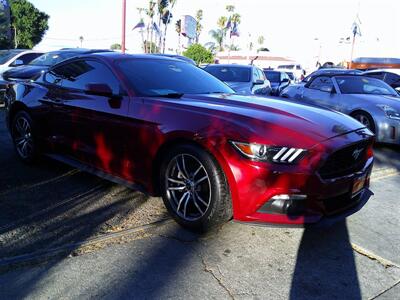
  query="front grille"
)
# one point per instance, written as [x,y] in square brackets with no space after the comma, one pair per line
[345,161]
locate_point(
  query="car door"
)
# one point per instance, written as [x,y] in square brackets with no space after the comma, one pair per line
[320,91]
[93,123]
[260,86]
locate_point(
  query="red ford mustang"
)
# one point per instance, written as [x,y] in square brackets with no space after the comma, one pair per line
[169,128]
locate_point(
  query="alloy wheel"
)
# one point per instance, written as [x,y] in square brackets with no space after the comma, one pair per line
[188,187]
[23,140]
[363,119]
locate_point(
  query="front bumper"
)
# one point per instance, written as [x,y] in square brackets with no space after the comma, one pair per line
[388,131]
[317,198]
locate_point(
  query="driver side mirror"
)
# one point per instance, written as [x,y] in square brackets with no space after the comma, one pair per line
[285,80]
[258,82]
[17,62]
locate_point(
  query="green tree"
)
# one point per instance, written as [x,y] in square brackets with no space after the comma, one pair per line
[30,23]
[218,36]
[199,27]
[199,54]
[115,46]
[151,47]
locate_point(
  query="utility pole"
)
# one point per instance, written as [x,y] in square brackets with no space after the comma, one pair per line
[123,44]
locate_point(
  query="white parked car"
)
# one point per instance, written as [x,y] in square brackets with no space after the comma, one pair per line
[16,57]
[296,69]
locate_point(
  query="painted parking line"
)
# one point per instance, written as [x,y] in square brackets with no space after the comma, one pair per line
[39,255]
[384,173]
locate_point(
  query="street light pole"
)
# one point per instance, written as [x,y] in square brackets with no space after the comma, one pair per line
[123,46]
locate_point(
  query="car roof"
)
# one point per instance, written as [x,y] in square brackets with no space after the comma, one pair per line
[79,51]
[388,70]
[230,65]
[180,57]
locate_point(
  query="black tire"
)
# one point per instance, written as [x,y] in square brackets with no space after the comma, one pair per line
[23,133]
[214,190]
[365,119]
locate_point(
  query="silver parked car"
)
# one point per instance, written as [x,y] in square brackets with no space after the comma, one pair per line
[371,101]
[243,79]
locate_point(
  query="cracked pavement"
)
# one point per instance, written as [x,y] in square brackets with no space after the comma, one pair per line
[355,259]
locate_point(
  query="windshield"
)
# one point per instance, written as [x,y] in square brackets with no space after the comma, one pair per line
[363,85]
[51,58]
[6,55]
[230,74]
[286,67]
[158,77]
[273,76]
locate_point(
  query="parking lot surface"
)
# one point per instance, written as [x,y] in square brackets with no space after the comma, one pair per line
[65,233]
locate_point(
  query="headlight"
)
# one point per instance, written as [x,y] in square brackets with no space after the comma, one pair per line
[284,155]
[390,111]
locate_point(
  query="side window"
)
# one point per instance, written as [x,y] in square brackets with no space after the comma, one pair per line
[322,83]
[54,76]
[256,76]
[378,75]
[77,74]
[261,74]
[392,79]
[27,58]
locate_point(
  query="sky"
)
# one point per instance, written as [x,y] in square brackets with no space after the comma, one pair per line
[300,29]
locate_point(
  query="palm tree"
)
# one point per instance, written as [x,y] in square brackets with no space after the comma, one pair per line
[161,6]
[260,40]
[81,40]
[178,29]
[150,12]
[230,8]
[199,27]
[167,17]
[218,35]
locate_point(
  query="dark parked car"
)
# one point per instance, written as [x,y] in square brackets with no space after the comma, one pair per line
[180,57]
[329,72]
[371,101]
[390,76]
[278,79]
[43,62]
[169,128]
[243,79]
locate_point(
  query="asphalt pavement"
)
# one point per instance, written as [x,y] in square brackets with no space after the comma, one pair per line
[67,234]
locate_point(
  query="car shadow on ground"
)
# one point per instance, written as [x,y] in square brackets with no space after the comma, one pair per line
[325,266]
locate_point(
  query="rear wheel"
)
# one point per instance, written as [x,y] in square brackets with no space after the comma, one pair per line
[365,119]
[194,188]
[23,137]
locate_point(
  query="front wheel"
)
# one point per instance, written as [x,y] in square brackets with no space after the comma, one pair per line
[23,137]
[365,119]
[194,188]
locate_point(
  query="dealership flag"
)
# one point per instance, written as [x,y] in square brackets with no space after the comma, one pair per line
[235,31]
[139,25]
[228,24]
[156,28]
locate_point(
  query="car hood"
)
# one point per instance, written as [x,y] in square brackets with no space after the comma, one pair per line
[267,118]
[376,99]
[24,72]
